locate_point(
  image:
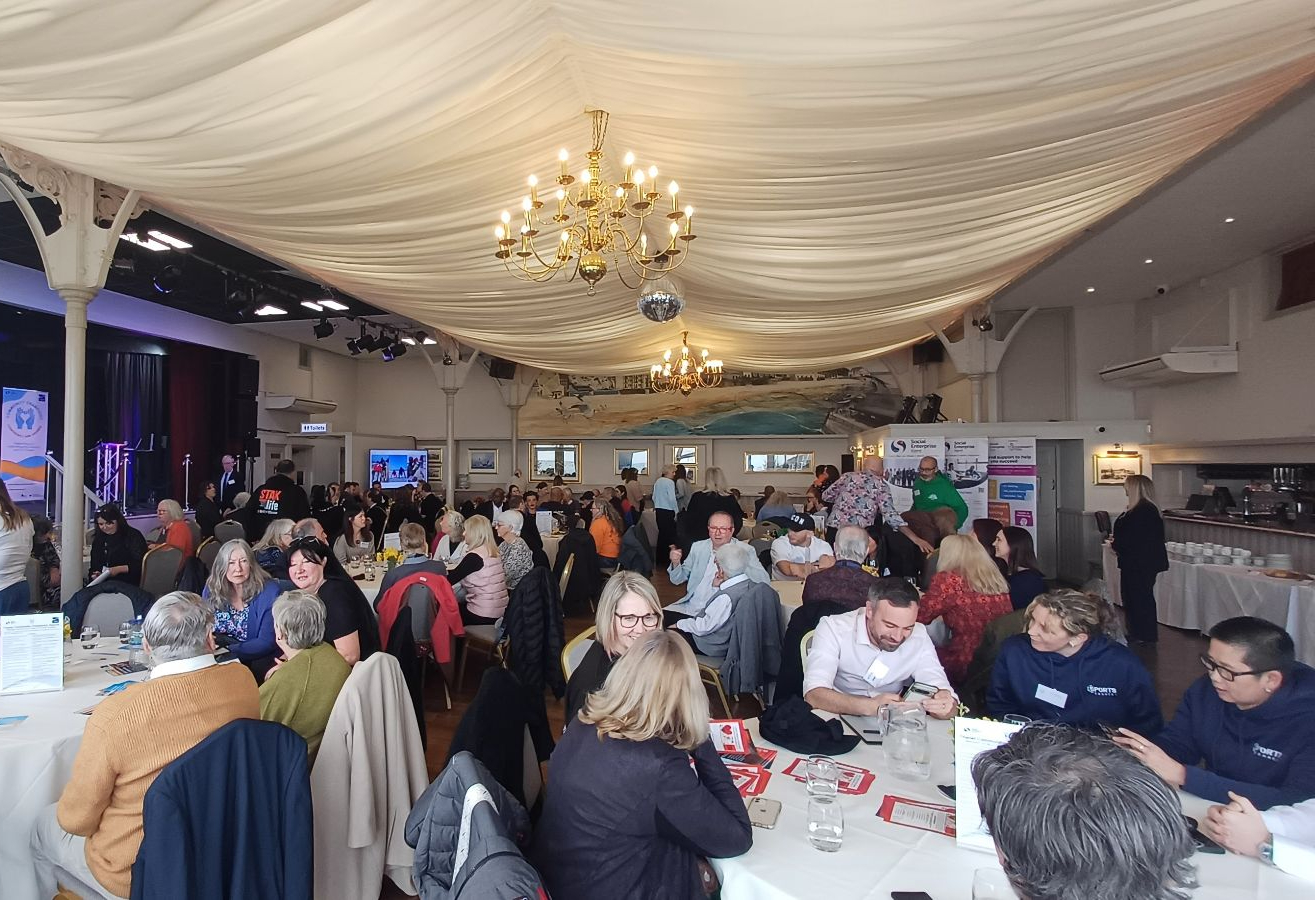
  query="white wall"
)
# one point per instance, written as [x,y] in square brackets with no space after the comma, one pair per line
[1270,396]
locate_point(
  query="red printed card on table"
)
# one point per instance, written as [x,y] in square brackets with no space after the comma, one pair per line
[918,814]
[729,736]
[853,780]
[749,780]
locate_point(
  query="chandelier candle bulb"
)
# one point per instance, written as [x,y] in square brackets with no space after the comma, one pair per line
[565,176]
[673,189]
[534,191]
[689,220]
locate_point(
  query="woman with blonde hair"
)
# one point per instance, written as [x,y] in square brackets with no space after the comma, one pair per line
[486,589]
[451,544]
[626,814]
[776,506]
[1070,641]
[715,497]
[15,548]
[1138,542]
[627,610]
[967,591]
[272,548]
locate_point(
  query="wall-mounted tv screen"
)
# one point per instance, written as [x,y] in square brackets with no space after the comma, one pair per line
[396,468]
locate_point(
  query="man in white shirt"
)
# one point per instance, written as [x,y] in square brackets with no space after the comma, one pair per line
[1283,836]
[799,553]
[863,660]
[709,631]
[700,572]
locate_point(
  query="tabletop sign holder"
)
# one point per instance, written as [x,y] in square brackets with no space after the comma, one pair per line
[971,738]
[31,653]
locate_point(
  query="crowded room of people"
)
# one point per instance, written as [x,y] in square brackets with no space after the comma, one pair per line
[562,450]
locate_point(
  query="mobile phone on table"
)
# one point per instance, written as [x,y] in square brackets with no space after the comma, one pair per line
[909,895]
[948,790]
[919,691]
[1203,843]
[764,812]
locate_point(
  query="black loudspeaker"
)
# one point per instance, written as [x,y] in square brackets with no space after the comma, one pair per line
[248,377]
[846,463]
[932,351]
[503,369]
[251,447]
[242,411]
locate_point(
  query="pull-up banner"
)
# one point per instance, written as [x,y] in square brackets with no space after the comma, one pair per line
[23,443]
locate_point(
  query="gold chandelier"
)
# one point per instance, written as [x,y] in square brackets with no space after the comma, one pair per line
[598,219]
[685,374]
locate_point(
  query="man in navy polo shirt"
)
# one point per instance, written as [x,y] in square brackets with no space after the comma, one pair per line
[1247,726]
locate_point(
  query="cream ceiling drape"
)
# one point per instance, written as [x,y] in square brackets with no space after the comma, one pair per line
[858,167]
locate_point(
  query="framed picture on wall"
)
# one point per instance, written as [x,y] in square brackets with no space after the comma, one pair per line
[1114,468]
[549,460]
[435,474]
[685,456]
[798,463]
[485,461]
[627,459]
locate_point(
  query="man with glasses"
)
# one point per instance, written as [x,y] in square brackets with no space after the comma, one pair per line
[938,510]
[700,572]
[1247,726]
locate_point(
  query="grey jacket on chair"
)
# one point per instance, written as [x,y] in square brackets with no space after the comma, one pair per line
[492,864]
[753,657]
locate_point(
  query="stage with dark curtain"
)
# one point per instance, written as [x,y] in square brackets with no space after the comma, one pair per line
[166,399]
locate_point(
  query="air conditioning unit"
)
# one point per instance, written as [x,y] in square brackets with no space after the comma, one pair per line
[1173,367]
[289,403]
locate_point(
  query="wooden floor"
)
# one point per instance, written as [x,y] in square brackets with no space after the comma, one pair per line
[1173,664]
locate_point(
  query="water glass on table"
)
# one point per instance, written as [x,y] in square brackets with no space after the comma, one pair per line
[822,776]
[907,748]
[90,634]
[826,824]
[125,631]
[992,884]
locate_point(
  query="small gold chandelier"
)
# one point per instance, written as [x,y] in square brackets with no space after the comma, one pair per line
[598,219]
[685,374]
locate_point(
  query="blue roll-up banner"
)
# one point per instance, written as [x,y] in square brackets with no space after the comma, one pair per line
[23,443]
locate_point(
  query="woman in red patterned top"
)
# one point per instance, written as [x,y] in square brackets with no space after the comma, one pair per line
[969,592]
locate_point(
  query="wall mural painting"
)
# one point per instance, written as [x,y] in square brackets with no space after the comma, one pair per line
[837,401]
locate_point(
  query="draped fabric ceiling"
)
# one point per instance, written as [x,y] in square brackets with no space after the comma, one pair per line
[859,168]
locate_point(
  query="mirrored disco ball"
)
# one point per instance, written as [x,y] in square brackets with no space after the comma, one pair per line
[660,304]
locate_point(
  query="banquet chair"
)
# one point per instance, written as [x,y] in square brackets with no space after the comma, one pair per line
[229,531]
[566,574]
[106,612]
[806,644]
[32,572]
[710,675]
[483,638]
[575,650]
[207,552]
[160,567]
[196,533]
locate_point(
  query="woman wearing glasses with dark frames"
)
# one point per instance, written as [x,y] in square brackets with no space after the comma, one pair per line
[1247,726]
[627,610]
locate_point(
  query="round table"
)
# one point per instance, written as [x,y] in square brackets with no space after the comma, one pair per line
[36,756]
[878,857]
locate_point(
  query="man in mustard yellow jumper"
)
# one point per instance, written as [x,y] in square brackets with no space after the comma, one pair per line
[93,833]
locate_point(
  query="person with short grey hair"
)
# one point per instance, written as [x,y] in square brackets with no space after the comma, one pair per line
[300,690]
[709,632]
[517,557]
[95,830]
[846,582]
[1074,816]
[178,626]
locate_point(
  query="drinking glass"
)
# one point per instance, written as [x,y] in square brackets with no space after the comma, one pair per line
[823,777]
[125,631]
[826,824]
[908,751]
[992,884]
[90,634]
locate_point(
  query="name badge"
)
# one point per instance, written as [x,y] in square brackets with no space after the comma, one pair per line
[1050,695]
[876,673]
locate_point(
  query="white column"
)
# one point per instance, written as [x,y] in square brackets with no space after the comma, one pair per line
[515,440]
[450,466]
[975,380]
[72,537]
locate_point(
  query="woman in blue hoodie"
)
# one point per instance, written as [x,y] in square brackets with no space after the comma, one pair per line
[1069,667]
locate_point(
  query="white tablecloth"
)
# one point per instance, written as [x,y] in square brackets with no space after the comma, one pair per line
[792,597]
[550,544]
[36,757]
[1198,596]
[878,857]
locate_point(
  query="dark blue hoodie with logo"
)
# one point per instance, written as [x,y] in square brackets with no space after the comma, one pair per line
[1104,682]
[1266,753]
